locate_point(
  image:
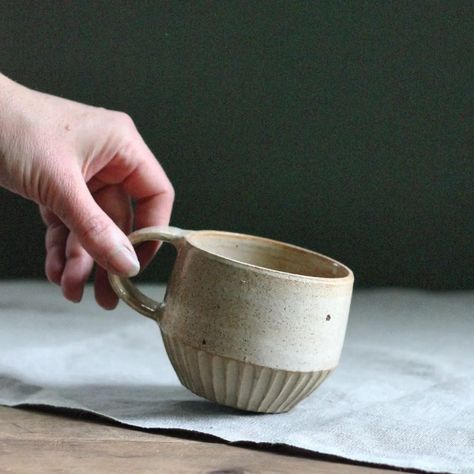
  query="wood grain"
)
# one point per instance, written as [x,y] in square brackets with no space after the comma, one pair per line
[44,442]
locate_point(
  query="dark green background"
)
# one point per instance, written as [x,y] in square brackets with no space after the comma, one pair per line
[339,126]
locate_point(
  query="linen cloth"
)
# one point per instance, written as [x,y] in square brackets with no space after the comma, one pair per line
[403,394]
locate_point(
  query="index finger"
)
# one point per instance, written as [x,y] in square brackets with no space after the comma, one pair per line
[142,177]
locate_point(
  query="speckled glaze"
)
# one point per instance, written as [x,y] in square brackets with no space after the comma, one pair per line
[247,322]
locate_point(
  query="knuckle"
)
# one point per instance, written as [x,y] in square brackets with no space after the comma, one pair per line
[55,235]
[94,228]
[124,120]
[169,191]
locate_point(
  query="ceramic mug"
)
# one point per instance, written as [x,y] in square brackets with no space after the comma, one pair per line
[247,322]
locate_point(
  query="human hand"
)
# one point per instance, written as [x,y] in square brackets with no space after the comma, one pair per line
[81,165]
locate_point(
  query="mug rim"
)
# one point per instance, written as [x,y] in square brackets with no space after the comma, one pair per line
[347,278]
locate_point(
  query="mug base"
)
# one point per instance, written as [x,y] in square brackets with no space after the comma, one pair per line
[239,384]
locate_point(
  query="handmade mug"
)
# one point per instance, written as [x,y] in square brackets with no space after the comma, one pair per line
[247,322]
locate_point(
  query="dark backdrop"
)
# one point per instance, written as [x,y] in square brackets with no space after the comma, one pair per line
[339,126]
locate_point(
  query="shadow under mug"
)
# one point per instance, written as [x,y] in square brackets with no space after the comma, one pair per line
[247,322]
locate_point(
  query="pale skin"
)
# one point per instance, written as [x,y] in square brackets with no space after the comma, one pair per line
[83,166]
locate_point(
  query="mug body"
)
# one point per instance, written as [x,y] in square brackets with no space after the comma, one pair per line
[253,323]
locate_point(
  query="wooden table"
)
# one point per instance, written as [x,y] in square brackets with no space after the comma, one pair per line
[46,442]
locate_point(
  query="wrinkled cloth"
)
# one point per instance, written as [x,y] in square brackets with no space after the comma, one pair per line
[402,396]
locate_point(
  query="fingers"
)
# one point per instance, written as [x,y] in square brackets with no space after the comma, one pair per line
[115,202]
[154,195]
[55,241]
[95,230]
[104,295]
[67,262]
[150,187]
[142,177]
[56,238]
[77,269]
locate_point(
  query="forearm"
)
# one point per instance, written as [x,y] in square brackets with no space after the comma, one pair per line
[17,142]
[6,95]
[7,87]
[9,96]
[4,87]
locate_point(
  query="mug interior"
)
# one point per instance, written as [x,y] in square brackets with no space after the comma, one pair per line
[268,254]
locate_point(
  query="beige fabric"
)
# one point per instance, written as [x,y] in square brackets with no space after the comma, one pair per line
[402,395]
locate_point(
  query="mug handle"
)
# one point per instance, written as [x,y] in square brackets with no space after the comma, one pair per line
[126,290]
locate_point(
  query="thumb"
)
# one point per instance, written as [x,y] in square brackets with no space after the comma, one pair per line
[96,231]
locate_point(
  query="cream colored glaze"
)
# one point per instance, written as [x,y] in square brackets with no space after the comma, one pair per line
[252,300]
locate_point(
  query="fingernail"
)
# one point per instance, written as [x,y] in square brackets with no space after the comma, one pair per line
[124,262]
